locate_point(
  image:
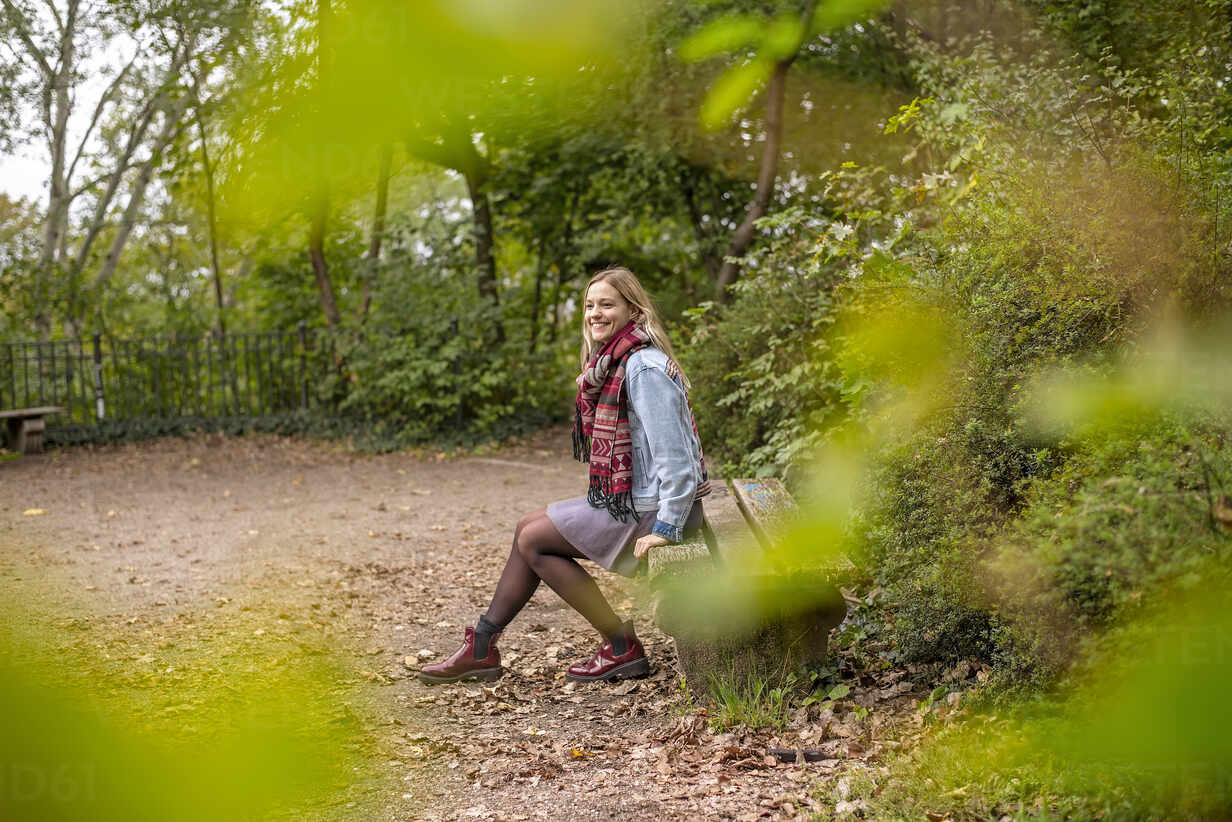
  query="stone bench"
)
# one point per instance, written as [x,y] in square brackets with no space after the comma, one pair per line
[25,427]
[735,608]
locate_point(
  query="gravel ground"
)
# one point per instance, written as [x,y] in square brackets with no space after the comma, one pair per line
[165,572]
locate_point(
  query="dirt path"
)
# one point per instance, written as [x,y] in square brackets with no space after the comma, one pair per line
[170,568]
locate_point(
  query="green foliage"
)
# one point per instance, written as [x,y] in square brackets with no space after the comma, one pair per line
[751,704]
[21,289]
[436,372]
[759,43]
[768,354]
[1141,734]
[1128,519]
[289,423]
[1045,249]
[259,738]
[1041,230]
[427,385]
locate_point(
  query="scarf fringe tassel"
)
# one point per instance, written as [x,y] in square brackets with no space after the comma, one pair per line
[581,443]
[620,506]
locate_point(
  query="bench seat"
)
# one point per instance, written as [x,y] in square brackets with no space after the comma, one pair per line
[25,426]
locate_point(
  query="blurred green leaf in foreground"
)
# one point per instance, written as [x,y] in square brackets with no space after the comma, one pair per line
[257,746]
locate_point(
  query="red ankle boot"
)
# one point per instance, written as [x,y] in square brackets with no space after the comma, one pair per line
[607,665]
[462,665]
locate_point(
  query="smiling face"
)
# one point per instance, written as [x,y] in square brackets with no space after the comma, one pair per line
[606,312]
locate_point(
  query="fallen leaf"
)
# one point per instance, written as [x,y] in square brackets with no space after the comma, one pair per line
[33,512]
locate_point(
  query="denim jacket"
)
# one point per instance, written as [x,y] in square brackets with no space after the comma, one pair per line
[667,466]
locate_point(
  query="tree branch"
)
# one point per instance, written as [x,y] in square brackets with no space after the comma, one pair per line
[768,173]
[438,155]
[18,20]
[172,125]
[86,186]
[135,135]
[98,111]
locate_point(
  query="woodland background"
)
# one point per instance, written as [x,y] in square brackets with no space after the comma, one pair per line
[958,271]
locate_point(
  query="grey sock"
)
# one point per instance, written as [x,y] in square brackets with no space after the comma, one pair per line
[485,629]
[620,642]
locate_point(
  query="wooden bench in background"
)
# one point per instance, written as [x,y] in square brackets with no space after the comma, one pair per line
[24,428]
[737,617]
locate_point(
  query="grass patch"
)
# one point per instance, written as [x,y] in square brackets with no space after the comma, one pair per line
[755,703]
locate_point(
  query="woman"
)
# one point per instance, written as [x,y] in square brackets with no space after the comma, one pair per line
[635,428]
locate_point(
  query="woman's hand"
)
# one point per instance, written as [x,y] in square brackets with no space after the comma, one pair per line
[642,547]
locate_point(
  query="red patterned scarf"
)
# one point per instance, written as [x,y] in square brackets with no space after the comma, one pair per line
[601,427]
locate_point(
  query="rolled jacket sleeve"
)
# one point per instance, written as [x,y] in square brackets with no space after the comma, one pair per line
[663,410]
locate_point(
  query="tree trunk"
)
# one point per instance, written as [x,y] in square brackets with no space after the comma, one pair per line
[457,151]
[705,239]
[57,106]
[485,259]
[316,253]
[537,302]
[378,229]
[208,167]
[562,262]
[57,103]
[765,179]
[320,202]
[319,209]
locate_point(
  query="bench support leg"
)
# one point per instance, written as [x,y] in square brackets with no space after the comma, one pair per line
[26,435]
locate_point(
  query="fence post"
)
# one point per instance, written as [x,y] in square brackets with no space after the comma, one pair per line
[303,364]
[99,408]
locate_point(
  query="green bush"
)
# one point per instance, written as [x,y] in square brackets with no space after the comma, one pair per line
[1026,293]
[1127,522]
[416,387]
[1044,244]
[430,365]
[765,385]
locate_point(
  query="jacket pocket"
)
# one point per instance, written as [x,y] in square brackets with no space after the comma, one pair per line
[643,472]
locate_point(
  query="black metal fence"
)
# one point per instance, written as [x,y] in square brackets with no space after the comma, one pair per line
[210,376]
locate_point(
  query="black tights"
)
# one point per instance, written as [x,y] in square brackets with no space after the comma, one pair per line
[541,553]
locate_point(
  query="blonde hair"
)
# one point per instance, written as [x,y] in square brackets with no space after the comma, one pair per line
[628,286]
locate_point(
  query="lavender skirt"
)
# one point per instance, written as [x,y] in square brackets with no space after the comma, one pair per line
[604,539]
